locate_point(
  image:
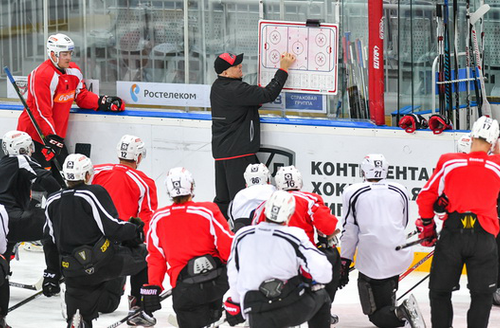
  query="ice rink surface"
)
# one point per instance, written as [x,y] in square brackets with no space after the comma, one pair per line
[46,312]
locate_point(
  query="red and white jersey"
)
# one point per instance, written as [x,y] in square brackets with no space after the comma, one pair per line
[180,232]
[132,191]
[472,184]
[50,96]
[310,213]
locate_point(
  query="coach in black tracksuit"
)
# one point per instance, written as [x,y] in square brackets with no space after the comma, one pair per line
[236,122]
[85,228]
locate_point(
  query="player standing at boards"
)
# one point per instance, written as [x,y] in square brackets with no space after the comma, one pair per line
[258,189]
[191,242]
[236,122]
[376,215]
[52,88]
[276,274]
[85,229]
[465,188]
[134,196]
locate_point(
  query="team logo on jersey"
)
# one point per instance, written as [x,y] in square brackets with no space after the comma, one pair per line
[64,97]
[275,157]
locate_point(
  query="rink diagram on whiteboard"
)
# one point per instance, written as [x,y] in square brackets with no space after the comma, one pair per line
[315,48]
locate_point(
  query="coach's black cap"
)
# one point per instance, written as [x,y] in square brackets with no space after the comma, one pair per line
[226,60]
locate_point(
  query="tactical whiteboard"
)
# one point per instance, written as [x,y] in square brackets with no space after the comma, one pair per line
[316,49]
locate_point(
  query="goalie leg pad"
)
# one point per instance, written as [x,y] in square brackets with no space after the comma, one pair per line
[366,297]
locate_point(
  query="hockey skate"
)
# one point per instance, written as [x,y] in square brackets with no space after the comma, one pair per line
[141,319]
[77,321]
[3,324]
[62,295]
[496,297]
[334,319]
[410,312]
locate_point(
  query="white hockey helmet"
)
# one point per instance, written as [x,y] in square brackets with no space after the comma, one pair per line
[280,206]
[179,182]
[464,143]
[76,166]
[487,129]
[288,178]
[59,42]
[374,166]
[257,174]
[17,143]
[130,147]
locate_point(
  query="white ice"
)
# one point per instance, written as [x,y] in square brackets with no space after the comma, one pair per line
[46,312]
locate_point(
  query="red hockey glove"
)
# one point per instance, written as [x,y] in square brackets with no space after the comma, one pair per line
[110,104]
[150,297]
[440,206]
[48,153]
[439,123]
[412,122]
[233,312]
[428,234]
[344,271]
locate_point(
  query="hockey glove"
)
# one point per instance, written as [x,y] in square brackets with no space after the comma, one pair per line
[344,271]
[150,297]
[53,146]
[428,234]
[412,122]
[50,286]
[233,312]
[439,123]
[440,207]
[110,104]
[139,230]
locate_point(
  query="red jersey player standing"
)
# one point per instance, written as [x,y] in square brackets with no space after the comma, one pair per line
[191,242]
[463,191]
[311,215]
[52,88]
[134,195]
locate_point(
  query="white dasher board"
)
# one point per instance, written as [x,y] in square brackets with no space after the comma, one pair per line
[316,49]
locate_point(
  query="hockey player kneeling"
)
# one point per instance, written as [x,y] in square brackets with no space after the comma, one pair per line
[85,229]
[276,275]
[191,242]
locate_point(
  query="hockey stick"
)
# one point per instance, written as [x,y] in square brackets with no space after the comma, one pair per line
[27,300]
[439,32]
[138,311]
[414,286]
[480,12]
[469,64]
[411,243]
[416,265]
[447,59]
[36,286]
[455,53]
[32,118]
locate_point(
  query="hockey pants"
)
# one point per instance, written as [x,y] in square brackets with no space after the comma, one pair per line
[378,299]
[476,249]
[102,291]
[312,307]
[229,180]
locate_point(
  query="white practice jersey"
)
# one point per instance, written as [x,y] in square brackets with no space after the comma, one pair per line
[269,250]
[4,229]
[247,200]
[375,218]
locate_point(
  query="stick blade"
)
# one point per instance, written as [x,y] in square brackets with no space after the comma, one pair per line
[480,12]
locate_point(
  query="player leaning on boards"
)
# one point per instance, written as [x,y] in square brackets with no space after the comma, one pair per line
[191,242]
[85,229]
[52,88]
[236,122]
[134,195]
[276,274]
[463,190]
[376,215]
[258,189]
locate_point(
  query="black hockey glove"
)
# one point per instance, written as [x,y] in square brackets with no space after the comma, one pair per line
[50,286]
[233,312]
[344,272]
[412,122]
[139,230]
[110,104]
[53,146]
[150,297]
